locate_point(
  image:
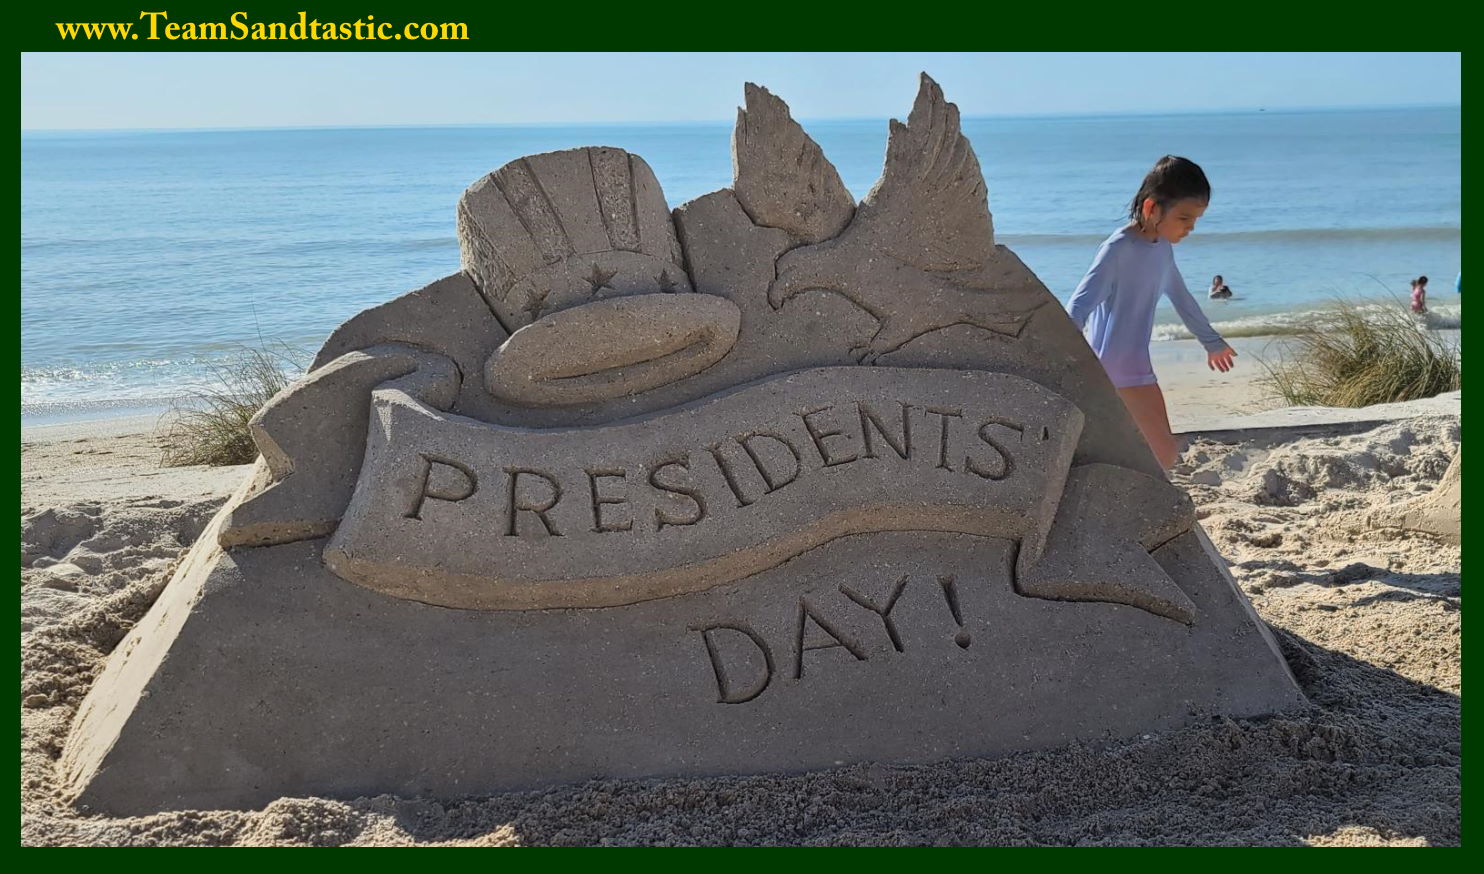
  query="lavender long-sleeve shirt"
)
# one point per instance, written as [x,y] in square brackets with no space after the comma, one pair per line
[1114,305]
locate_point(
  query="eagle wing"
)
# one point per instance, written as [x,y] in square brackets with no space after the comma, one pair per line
[930,208]
[781,176]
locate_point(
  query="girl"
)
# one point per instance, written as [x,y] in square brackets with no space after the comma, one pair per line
[1419,294]
[1114,302]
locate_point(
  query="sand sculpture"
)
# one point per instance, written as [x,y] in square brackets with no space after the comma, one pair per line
[771,482]
[1439,512]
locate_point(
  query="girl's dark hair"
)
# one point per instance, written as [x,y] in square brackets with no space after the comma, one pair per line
[1422,280]
[1172,179]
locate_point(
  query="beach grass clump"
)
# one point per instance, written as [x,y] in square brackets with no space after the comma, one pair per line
[209,425]
[1357,356]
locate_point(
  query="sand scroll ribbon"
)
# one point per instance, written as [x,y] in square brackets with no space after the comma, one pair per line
[461,513]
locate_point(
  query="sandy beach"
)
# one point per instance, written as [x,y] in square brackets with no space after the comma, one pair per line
[579,317]
[1368,619]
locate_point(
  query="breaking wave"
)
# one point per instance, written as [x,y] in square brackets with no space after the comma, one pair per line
[1284,235]
[1439,318]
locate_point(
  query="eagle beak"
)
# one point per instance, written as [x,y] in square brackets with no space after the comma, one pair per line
[777,292]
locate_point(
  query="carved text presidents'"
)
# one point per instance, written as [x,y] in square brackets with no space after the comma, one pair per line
[473,515]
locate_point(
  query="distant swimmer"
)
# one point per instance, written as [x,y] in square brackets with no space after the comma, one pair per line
[1419,294]
[1219,289]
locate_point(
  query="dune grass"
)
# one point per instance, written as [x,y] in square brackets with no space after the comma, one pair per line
[209,425]
[1357,356]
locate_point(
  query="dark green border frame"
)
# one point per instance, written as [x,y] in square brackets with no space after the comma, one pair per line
[1153,28]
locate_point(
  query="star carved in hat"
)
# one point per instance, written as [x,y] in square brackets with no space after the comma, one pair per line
[600,279]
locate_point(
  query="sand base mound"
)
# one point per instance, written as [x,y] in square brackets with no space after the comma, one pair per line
[1368,619]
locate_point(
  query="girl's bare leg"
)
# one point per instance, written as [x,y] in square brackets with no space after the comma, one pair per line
[1146,403]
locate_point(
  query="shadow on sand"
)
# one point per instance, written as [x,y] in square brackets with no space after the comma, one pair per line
[1377,755]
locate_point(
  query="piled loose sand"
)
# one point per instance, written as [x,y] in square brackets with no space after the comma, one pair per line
[1369,621]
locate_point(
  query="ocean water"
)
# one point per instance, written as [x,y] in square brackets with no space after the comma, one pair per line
[146,257]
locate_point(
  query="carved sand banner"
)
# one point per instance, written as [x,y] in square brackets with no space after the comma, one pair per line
[460,513]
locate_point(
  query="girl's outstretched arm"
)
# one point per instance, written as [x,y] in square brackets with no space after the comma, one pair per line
[1218,354]
[1094,287]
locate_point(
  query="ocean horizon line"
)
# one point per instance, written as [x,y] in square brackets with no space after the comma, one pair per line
[720,122]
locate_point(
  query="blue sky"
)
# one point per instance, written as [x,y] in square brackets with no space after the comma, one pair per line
[80,90]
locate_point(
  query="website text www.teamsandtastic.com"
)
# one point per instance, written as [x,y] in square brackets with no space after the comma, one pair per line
[158,25]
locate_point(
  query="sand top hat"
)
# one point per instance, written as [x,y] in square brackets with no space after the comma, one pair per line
[576,253]
[552,231]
